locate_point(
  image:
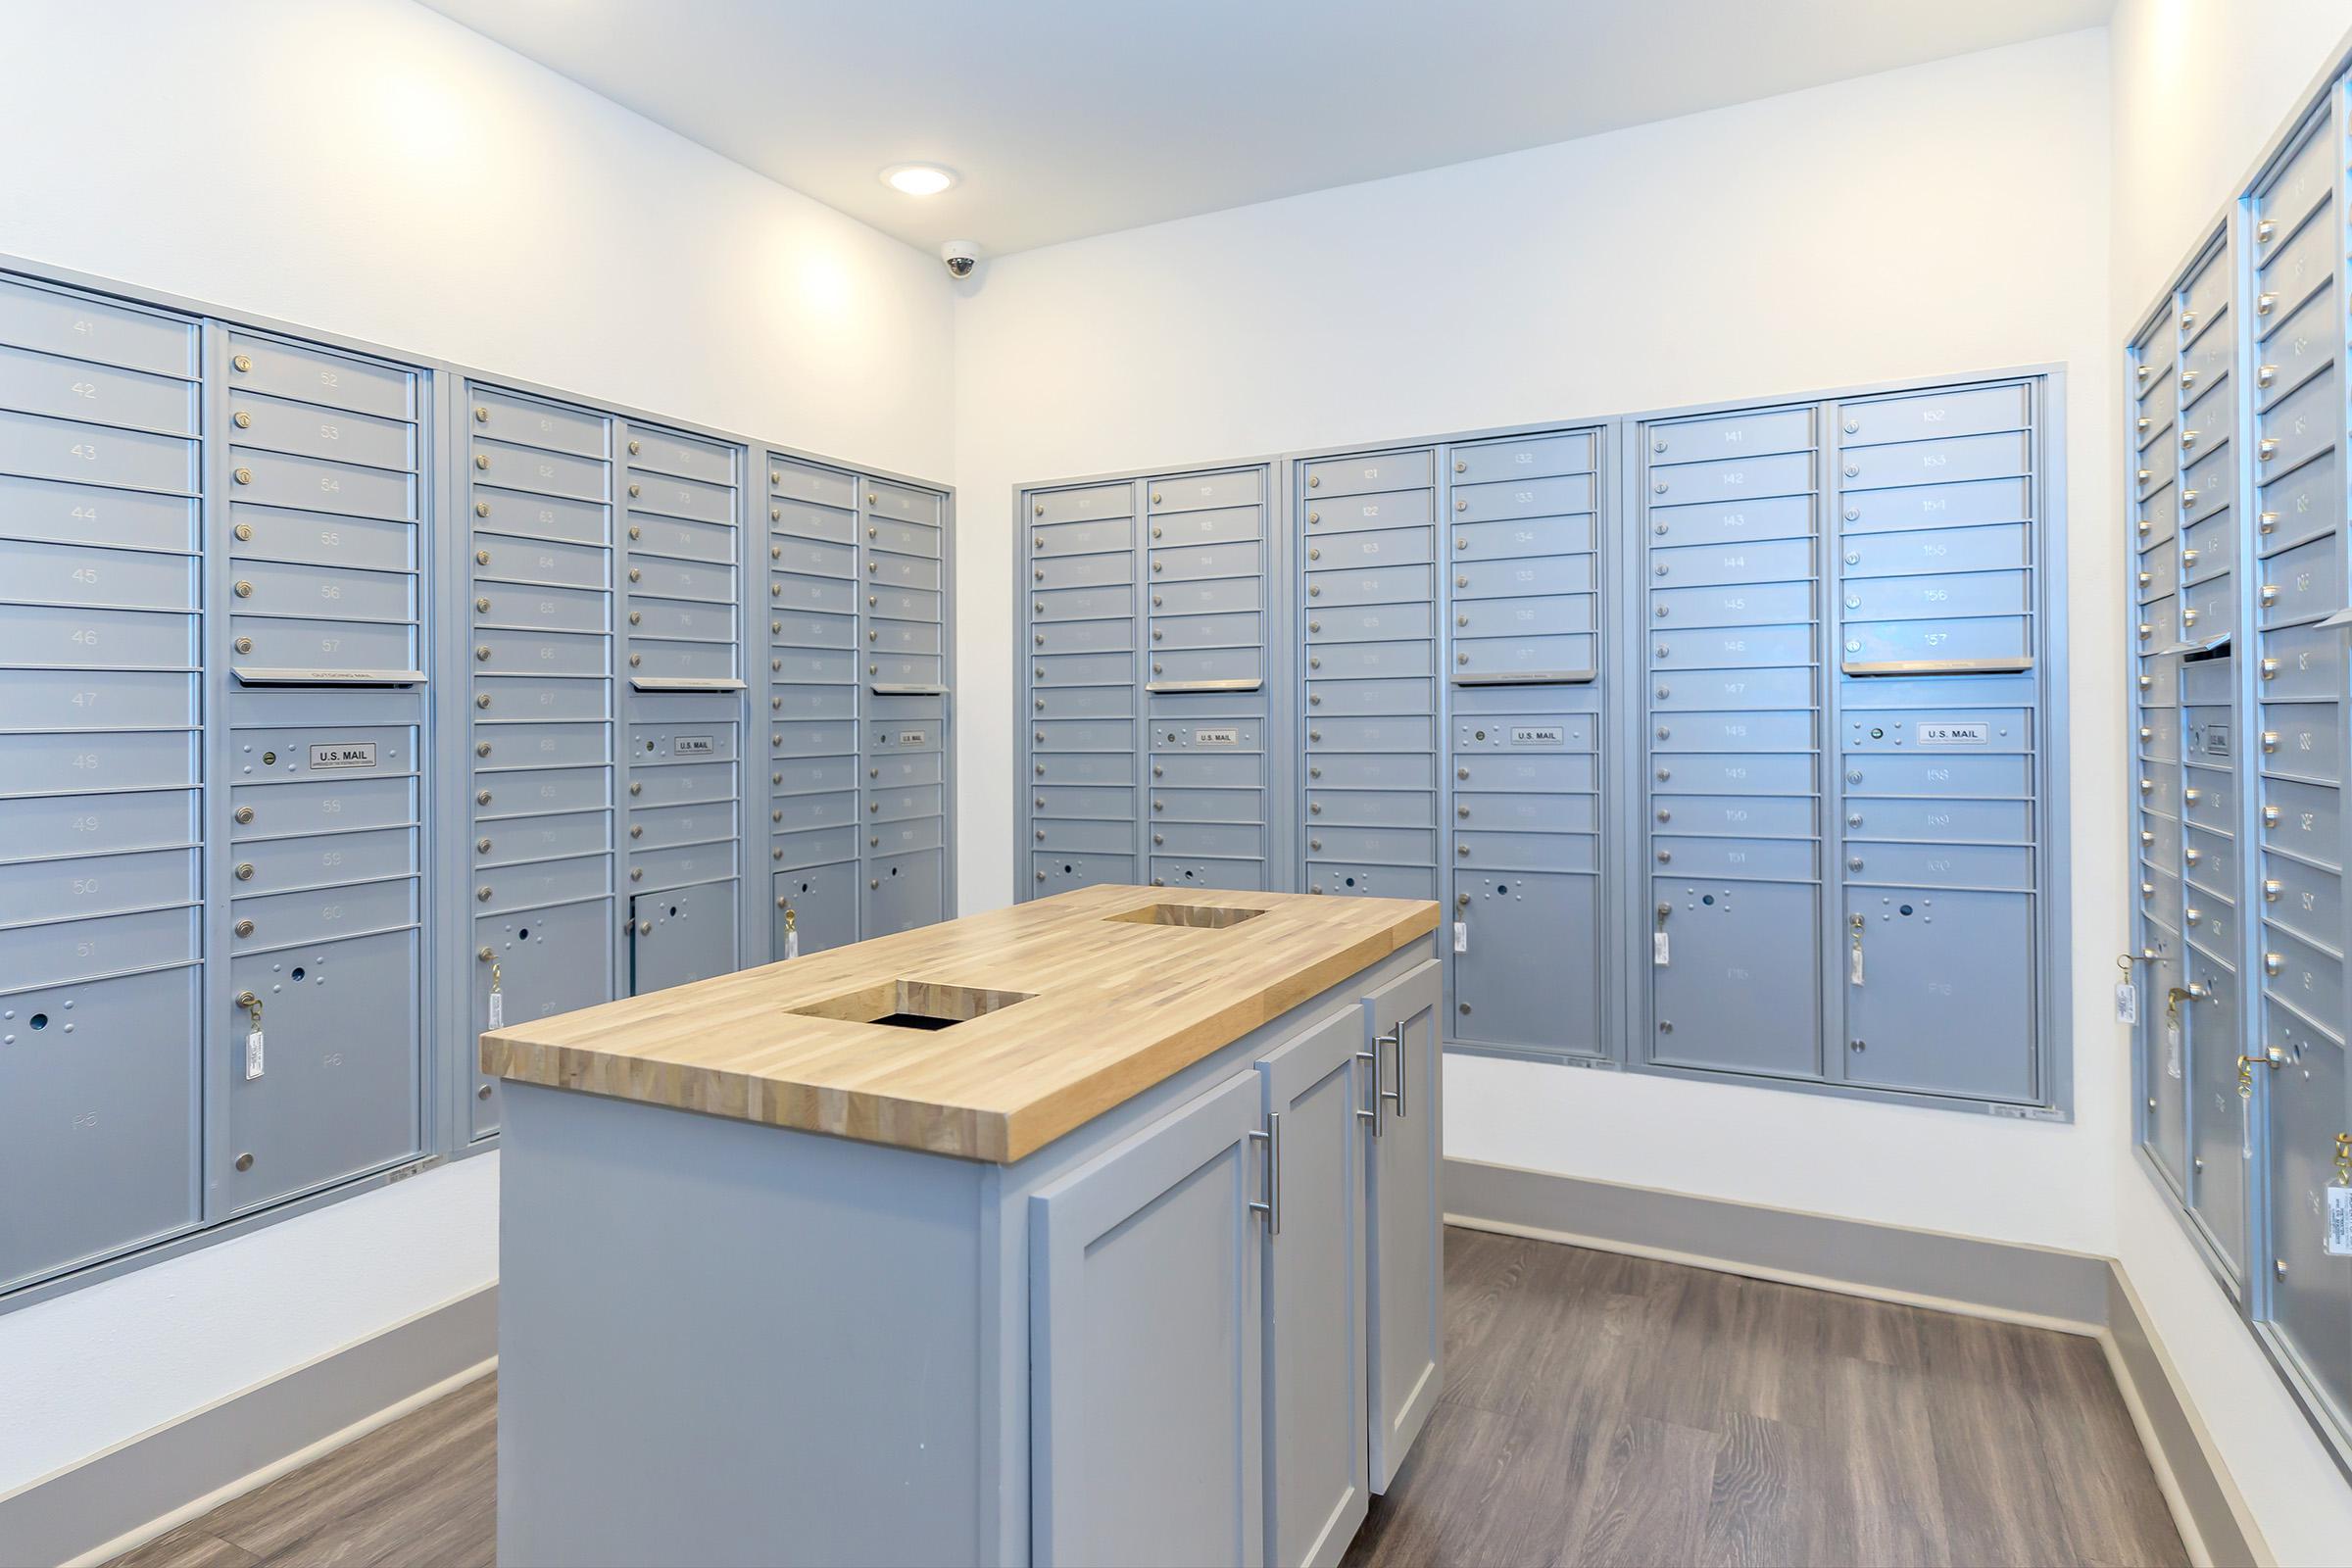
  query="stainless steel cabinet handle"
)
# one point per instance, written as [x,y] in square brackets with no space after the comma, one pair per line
[1272,1207]
[1372,1057]
[1396,1037]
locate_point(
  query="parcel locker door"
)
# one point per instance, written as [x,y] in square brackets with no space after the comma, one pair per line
[534,963]
[2217,1116]
[816,906]
[2165,1009]
[1736,982]
[2310,1138]
[1529,974]
[332,1089]
[1919,1014]
[681,934]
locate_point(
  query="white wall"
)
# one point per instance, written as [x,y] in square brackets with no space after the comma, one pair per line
[1945,219]
[2199,87]
[373,169]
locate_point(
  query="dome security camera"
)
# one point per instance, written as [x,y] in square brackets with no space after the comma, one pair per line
[962,256]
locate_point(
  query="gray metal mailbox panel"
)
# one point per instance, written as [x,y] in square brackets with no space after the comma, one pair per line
[680,935]
[2166,1008]
[1918,1015]
[1739,989]
[2311,1302]
[534,963]
[816,908]
[2217,1116]
[98,1089]
[1528,976]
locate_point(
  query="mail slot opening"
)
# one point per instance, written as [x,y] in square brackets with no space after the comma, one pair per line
[1197,916]
[914,1005]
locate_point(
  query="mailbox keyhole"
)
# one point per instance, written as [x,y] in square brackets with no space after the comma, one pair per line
[1906,908]
[40,1020]
[1502,889]
[523,935]
[296,971]
[1707,898]
[673,911]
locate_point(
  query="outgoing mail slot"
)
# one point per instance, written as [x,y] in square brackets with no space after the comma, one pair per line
[559,836]
[97,823]
[1529,773]
[1074,506]
[902,572]
[1400,734]
[76,389]
[1388,586]
[546,789]
[82,886]
[1532,813]
[1371,547]
[325,592]
[56,322]
[537,883]
[1729,523]
[653,659]
[335,435]
[1521,498]
[819,557]
[1741,731]
[685,456]
[1992,640]
[1372,623]
[905,603]
[1244,630]
[1362,475]
[1778,561]
[801,813]
[1366,771]
[2304,820]
[72,764]
[682,579]
[1945,820]
[801,629]
[1387,508]
[1364,881]
[1739,478]
[275,480]
[1204,560]
[68,639]
[321,915]
[1368,660]
[663,828]
[1090,735]
[1530,658]
[1245,877]
[2308,976]
[1082,636]
[1081,572]
[1942,461]
[537,562]
[1233,840]
[87,577]
[531,653]
[672,783]
[262,810]
[1929,415]
[1525,851]
[1059,874]
[1084,834]
[1332,698]
[1982,593]
[1391,846]
[1193,491]
[1364,808]
[326,859]
[666,496]
[1492,579]
[1941,550]
[1206,805]
[1082,767]
[1942,775]
[906,669]
[1082,538]
[84,949]
[2301,664]
[1942,865]
[1080,670]
[2307,900]
[1524,458]
[792,592]
[800,481]
[806,519]
[816,776]
[681,618]
[1733,688]
[316,375]
[509,416]
[1736,436]
[583,522]
[93,515]
[1761,816]
[2304,423]
[1745,648]
[94,453]
[1743,605]
[1220,736]
[2301,741]
[1519,539]
[2210,860]
[1956,732]
[1084,801]
[539,698]
[1729,773]
[1954,506]
[1743,859]
[2301,584]
[539,471]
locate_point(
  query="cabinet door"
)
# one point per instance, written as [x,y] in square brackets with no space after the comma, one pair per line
[1316,1455]
[1146,1402]
[1407,1252]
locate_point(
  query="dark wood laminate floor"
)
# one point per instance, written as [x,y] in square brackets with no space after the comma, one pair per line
[1597,1409]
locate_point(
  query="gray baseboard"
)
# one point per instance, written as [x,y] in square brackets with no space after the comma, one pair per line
[156,1479]
[2213,1519]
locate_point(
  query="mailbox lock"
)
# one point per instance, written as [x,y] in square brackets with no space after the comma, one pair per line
[1853,862]
[1664,815]
[1857,1044]
[244,814]
[244,530]
[244,589]
[481,654]
[481,797]
[482,701]
[244,928]
[481,895]
[637,872]
[645,928]
[481,509]
[1665,856]
[244,1162]
[244,870]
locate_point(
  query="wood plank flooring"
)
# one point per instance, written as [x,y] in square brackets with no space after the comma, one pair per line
[1597,1409]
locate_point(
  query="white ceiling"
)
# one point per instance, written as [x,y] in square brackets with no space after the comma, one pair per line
[1069,118]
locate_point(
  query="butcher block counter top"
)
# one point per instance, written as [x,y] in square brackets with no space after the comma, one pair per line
[1013,1027]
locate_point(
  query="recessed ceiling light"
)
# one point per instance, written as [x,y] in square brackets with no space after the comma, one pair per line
[919,180]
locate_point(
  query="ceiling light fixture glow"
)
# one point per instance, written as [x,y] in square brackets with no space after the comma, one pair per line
[919,180]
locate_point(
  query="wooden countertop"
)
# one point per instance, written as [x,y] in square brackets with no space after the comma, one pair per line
[1113,1007]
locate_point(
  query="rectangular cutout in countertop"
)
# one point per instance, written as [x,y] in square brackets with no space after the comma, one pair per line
[919,1005]
[1195,916]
